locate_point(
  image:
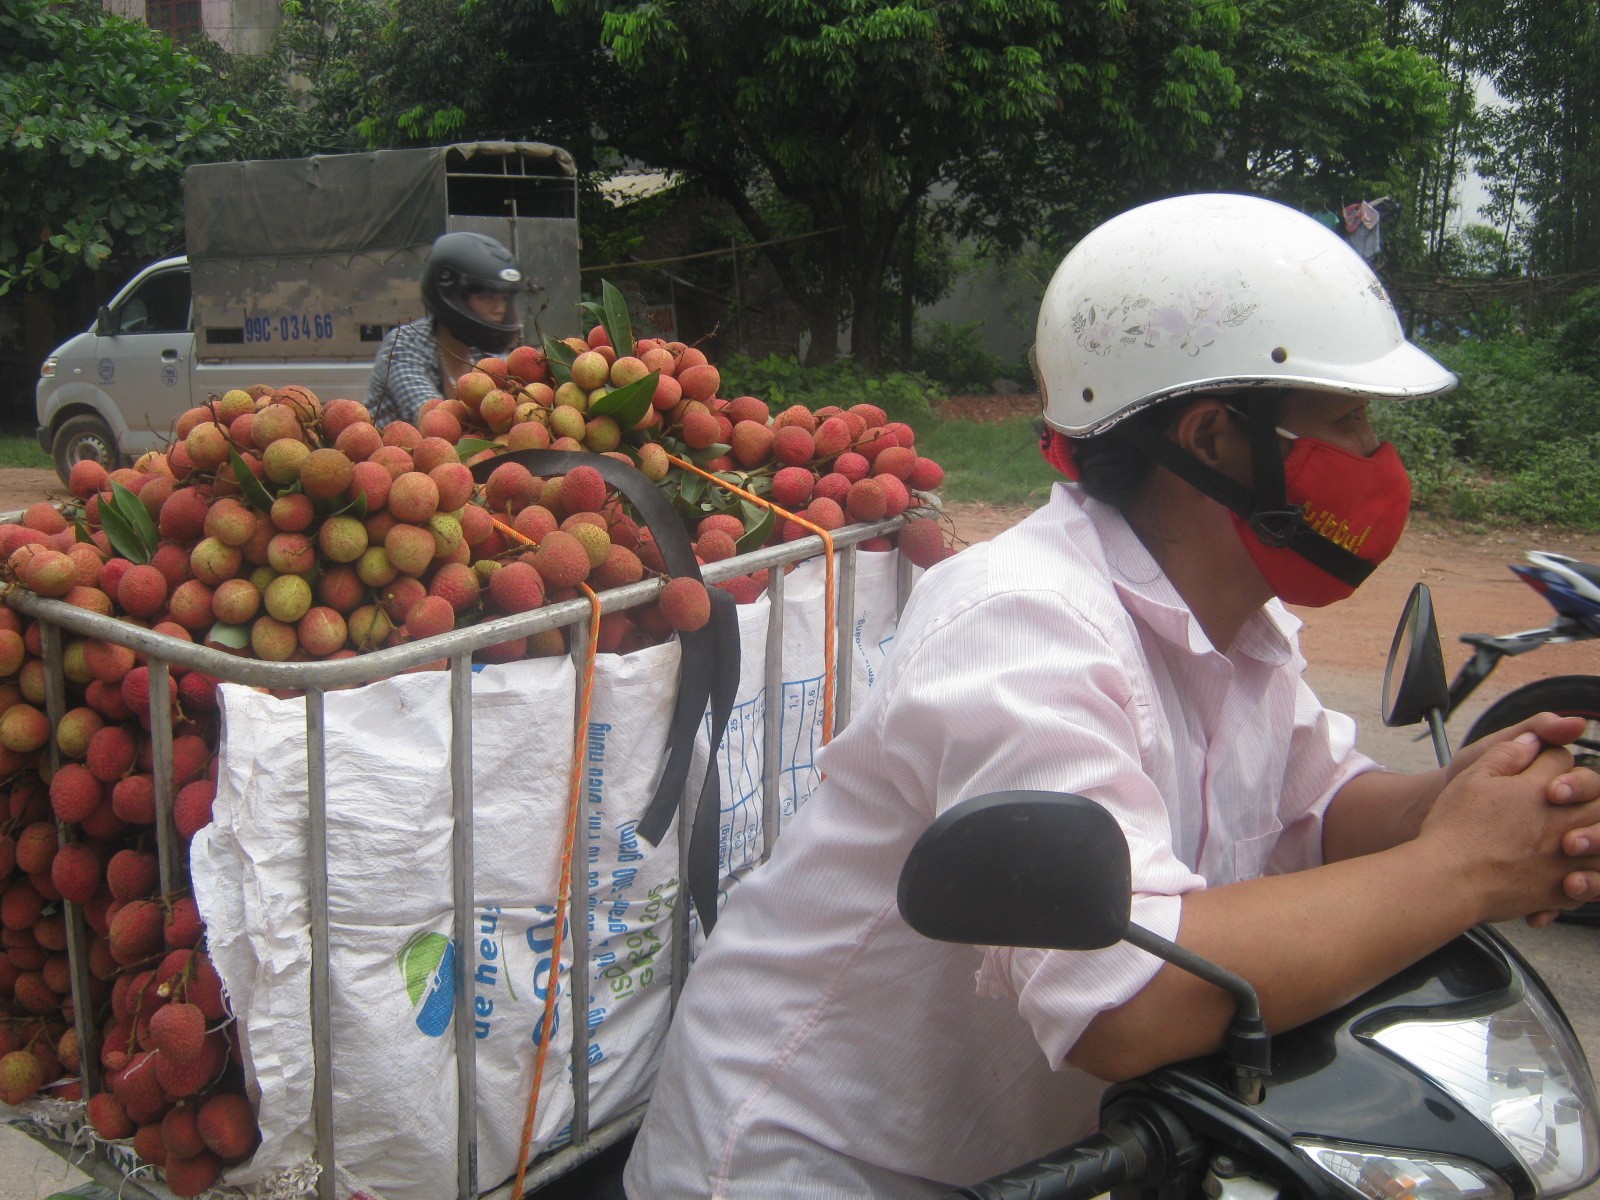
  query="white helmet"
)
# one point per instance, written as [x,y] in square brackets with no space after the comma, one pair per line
[1215,291]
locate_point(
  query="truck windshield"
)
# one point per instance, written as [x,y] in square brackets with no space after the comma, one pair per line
[159,305]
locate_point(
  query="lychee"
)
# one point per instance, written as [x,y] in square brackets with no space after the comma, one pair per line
[230,522]
[322,631]
[685,604]
[134,800]
[326,473]
[111,753]
[413,498]
[561,560]
[430,617]
[136,932]
[178,1031]
[866,501]
[75,792]
[20,1077]
[75,871]
[142,591]
[191,808]
[793,446]
[922,541]
[180,1133]
[109,1118]
[515,588]
[132,875]
[184,928]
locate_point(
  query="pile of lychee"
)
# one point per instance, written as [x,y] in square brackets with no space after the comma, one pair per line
[172,1080]
[282,528]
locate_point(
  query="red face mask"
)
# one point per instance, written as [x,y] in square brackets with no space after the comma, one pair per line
[1358,503]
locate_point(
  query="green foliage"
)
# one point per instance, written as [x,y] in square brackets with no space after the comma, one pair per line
[23,451]
[1577,338]
[992,462]
[849,115]
[1539,153]
[101,114]
[958,357]
[432,71]
[1518,440]
[782,381]
[309,93]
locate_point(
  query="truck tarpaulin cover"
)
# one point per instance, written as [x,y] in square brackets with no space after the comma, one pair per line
[379,201]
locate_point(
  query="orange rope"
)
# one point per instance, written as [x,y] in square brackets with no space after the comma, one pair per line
[828,631]
[564,885]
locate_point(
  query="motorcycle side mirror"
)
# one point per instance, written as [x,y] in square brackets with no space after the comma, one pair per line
[1042,869]
[1415,688]
[105,323]
[1050,870]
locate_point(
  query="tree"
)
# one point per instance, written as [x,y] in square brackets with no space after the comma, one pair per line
[1542,151]
[310,92]
[1329,111]
[101,115]
[839,118]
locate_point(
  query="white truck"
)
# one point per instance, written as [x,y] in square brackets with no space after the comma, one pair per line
[296,268]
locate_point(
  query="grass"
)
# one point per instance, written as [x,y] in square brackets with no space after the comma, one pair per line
[987,462]
[22,450]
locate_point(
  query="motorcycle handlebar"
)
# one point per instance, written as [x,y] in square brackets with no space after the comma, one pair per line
[1077,1172]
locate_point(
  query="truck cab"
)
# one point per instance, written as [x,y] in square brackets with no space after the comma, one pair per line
[112,392]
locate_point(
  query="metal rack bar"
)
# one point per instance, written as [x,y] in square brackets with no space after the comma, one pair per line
[772,715]
[321,999]
[465,901]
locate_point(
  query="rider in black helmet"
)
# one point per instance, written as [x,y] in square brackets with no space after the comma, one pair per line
[469,286]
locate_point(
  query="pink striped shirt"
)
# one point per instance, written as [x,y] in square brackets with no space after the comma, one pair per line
[824,1049]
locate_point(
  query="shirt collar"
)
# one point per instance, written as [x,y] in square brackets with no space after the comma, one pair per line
[1150,597]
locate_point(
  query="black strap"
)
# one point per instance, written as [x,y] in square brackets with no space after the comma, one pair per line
[705,846]
[1280,526]
[700,665]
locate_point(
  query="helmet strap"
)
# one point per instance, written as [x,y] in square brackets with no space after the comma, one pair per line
[1270,517]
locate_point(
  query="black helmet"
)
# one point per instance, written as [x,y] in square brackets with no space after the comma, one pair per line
[459,265]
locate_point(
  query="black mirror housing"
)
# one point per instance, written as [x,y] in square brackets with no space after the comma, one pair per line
[1043,869]
[105,323]
[1414,682]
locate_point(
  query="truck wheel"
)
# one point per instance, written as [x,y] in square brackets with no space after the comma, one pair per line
[1570,696]
[80,437]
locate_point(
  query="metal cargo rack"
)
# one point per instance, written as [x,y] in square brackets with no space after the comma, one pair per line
[315,679]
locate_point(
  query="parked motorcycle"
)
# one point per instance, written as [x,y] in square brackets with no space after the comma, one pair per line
[1572,588]
[1460,1077]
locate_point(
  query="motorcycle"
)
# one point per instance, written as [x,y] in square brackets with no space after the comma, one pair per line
[1459,1077]
[1572,588]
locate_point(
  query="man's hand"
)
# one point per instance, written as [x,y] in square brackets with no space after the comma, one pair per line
[1518,818]
[1566,788]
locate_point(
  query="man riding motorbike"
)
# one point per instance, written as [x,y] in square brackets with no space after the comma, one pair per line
[1207,364]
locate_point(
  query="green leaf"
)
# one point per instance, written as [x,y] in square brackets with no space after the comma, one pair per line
[693,487]
[629,403]
[619,328]
[467,447]
[357,508]
[80,532]
[756,535]
[560,356]
[140,524]
[716,450]
[123,540]
[595,312]
[254,490]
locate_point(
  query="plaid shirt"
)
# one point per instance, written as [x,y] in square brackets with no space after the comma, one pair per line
[407,373]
